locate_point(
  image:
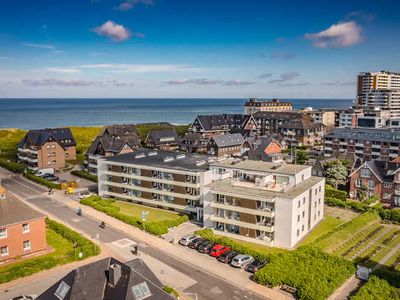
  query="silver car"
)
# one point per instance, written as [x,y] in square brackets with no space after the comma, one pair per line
[241,260]
[185,240]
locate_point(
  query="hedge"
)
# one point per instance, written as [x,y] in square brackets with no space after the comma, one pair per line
[334,193]
[84,174]
[12,166]
[153,227]
[43,181]
[377,289]
[85,246]
[313,273]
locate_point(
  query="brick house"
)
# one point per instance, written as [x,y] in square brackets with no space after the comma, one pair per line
[194,142]
[47,148]
[226,144]
[266,149]
[22,230]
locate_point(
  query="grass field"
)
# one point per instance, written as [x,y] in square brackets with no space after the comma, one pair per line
[328,224]
[135,210]
[8,143]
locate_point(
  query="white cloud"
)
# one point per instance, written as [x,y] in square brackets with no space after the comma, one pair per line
[42,46]
[285,77]
[130,4]
[63,70]
[142,68]
[113,31]
[338,82]
[206,81]
[343,34]
[61,82]
[264,75]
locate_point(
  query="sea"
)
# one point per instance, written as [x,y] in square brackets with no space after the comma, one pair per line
[44,113]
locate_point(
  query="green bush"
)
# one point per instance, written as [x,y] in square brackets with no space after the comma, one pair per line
[377,289]
[43,181]
[392,215]
[171,291]
[153,227]
[85,246]
[12,166]
[313,273]
[84,174]
[333,193]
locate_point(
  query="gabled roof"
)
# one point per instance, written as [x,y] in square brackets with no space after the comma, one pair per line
[370,164]
[223,121]
[91,281]
[114,144]
[38,137]
[228,140]
[166,136]
[118,130]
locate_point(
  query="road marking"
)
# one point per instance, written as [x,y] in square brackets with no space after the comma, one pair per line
[122,243]
[216,290]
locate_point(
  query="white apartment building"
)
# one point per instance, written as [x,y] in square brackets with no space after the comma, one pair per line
[274,204]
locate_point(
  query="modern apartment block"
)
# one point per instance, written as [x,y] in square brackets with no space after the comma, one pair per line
[161,179]
[22,230]
[324,116]
[366,143]
[297,128]
[112,140]
[347,118]
[380,89]
[255,105]
[274,204]
[47,148]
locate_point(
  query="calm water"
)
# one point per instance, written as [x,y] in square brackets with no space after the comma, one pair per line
[42,113]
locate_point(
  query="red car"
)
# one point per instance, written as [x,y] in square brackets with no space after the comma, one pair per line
[218,250]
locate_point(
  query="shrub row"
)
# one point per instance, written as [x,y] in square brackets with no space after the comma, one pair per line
[153,227]
[234,245]
[43,181]
[377,289]
[85,246]
[12,166]
[334,193]
[84,174]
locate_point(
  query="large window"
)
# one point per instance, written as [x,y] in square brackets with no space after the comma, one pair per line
[3,233]
[358,182]
[365,173]
[25,228]
[371,184]
[27,245]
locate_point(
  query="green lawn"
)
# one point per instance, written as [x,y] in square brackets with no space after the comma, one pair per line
[135,210]
[8,143]
[327,225]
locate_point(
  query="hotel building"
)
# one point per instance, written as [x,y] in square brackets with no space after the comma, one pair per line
[162,179]
[274,204]
[254,105]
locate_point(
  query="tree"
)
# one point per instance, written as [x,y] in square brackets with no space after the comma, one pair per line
[362,193]
[335,173]
[301,157]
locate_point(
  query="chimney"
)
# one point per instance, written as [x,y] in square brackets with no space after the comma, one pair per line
[114,274]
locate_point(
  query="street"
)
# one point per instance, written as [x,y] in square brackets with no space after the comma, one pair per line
[203,285]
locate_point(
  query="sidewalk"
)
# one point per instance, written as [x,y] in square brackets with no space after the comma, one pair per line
[207,264]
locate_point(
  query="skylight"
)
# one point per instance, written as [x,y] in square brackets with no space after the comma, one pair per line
[62,290]
[141,291]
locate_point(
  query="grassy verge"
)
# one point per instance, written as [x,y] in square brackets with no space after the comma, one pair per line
[85,175]
[154,214]
[8,143]
[327,225]
[158,227]
[61,239]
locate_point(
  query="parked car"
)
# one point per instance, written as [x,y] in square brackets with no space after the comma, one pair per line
[47,175]
[185,240]
[241,260]
[196,242]
[52,178]
[217,250]
[206,247]
[83,195]
[42,172]
[227,256]
[255,266]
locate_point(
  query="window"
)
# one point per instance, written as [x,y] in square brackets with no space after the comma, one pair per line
[302,228]
[62,290]
[304,200]
[141,291]
[303,213]
[298,232]
[387,184]
[358,183]
[316,192]
[298,218]
[371,184]
[365,173]
[298,203]
[4,251]
[3,233]
[25,228]
[27,245]
[320,189]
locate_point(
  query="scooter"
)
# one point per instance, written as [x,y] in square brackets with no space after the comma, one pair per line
[102,225]
[79,211]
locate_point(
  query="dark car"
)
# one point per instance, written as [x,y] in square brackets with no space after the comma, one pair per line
[227,256]
[206,247]
[52,178]
[255,266]
[196,242]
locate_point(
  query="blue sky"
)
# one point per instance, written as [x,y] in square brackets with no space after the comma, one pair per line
[177,48]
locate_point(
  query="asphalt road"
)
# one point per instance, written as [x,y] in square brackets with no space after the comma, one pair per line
[207,287]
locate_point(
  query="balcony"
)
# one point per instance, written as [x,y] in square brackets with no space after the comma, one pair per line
[242,224]
[236,208]
[32,160]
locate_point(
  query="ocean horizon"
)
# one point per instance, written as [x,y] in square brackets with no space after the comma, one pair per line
[35,113]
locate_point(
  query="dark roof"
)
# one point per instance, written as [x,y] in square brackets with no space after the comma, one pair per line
[38,137]
[223,122]
[366,134]
[118,130]
[228,140]
[91,282]
[164,159]
[194,137]
[112,143]
[279,115]
[165,136]
[14,211]
[258,153]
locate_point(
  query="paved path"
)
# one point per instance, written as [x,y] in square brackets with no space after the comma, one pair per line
[211,279]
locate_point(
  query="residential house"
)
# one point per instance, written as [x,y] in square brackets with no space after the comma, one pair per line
[108,279]
[266,149]
[112,140]
[166,139]
[22,229]
[194,142]
[226,145]
[274,204]
[47,148]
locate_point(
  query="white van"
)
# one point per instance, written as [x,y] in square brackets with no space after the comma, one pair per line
[42,172]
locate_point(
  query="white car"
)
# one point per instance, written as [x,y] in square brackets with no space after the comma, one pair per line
[84,195]
[241,260]
[185,240]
